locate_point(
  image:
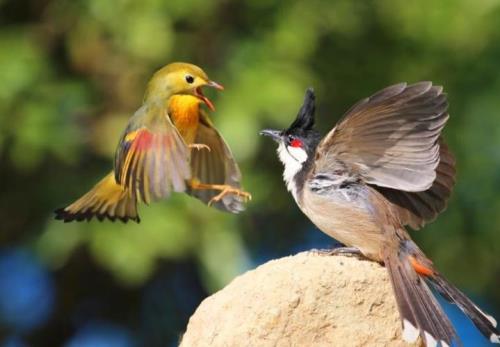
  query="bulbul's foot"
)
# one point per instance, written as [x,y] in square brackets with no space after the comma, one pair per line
[352,251]
[199,146]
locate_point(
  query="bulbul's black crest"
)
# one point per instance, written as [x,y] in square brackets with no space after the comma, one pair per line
[305,117]
[303,126]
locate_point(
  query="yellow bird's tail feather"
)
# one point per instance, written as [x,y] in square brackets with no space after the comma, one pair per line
[106,200]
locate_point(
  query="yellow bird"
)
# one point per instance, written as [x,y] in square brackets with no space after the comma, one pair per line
[170,145]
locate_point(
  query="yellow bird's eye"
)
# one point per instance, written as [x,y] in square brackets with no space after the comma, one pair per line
[189,79]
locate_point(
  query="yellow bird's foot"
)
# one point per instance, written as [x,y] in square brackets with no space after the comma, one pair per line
[199,146]
[224,190]
[227,189]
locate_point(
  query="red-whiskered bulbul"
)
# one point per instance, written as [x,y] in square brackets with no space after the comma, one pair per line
[383,167]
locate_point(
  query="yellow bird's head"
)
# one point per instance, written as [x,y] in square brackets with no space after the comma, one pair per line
[178,79]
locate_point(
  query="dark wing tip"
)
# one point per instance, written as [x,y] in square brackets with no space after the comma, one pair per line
[233,204]
[66,216]
[236,206]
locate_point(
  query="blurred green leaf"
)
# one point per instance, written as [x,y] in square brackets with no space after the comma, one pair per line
[22,63]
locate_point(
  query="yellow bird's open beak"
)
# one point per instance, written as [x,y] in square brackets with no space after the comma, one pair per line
[199,93]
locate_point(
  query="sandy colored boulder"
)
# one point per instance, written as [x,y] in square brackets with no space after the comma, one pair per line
[304,300]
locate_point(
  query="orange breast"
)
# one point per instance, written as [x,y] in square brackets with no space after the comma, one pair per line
[184,110]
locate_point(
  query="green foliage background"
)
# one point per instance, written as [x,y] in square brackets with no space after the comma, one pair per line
[72,72]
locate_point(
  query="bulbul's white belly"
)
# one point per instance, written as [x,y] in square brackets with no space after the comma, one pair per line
[349,221]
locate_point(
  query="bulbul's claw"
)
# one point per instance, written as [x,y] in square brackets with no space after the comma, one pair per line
[199,146]
[351,251]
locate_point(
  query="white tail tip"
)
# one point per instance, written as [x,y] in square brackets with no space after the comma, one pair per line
[410,333]
[495,338]
[488,317]
[430,341]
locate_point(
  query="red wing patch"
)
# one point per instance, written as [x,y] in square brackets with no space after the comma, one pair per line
[150,165]
[143,141]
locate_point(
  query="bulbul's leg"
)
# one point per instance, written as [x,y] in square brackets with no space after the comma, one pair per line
[199,146]
[223,188]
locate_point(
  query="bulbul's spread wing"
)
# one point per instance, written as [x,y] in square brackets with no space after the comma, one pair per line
[390,138]
[415,209]
[152,159]
[391,141]
[215,166]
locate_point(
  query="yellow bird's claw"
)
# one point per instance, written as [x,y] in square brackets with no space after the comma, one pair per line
[230,190]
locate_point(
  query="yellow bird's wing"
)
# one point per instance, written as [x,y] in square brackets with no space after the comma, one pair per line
[152,159]
[215,166]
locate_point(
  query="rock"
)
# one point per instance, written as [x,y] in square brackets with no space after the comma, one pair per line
[309,299]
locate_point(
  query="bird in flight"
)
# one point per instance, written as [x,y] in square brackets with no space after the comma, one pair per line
[169,145]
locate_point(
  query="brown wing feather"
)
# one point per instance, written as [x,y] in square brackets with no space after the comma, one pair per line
[391,138]
[216,166]
[417,209]
[152,160]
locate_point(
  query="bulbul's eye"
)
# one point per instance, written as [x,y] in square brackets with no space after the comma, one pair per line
[189,79]
[294,142]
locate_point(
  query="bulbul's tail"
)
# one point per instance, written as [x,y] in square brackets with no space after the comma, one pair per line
[410,271]
[106,200]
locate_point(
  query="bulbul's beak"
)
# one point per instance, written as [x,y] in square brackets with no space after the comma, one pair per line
[274,134]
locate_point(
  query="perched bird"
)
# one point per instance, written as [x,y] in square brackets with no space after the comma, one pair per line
[169,145]
[383,167]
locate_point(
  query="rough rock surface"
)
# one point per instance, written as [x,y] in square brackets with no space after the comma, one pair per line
[308,299]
